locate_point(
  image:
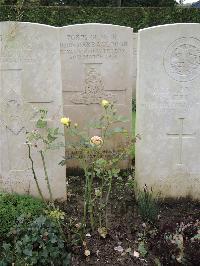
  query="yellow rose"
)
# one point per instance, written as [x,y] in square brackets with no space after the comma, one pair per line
[65,121]
[96,140]
[105,103]
[75,125]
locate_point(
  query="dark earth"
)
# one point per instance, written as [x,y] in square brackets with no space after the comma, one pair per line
[172,239]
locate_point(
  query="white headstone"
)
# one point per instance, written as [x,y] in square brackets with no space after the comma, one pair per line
[30,80]
[97,64]
[168,110]
[135,42]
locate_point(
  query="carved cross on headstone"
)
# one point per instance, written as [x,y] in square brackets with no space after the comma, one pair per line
[180,135]
[11,108]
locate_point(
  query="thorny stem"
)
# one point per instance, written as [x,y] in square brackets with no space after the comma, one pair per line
[85,199]
[34,174]
[50,192]
[60,229]
[101,199]
[46,177]
[90,201]
[107,126]
[107,198]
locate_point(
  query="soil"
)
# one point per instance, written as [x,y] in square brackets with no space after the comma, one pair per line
[172,239]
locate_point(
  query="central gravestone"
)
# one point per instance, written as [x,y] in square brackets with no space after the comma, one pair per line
[168,110]
[97,63]
[29,80]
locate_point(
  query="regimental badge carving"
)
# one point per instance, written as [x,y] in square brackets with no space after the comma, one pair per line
[94,90]
[182,59]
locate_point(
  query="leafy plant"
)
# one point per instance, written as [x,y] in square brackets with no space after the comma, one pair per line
[42,139]
[133,104]
[13,205]
[142,249]
[185,238]
[147,205]
[37,243]
[98,159]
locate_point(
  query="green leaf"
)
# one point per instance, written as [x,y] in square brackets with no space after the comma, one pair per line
[121,118]
[51,138]
[56,131]
[53,240]
[6,246]
[119,130]
[142,250]
[197,237]
[41,123]
[27,252]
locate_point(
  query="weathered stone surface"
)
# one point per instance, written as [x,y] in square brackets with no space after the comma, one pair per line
[97,63]
[135,42]
[168,110]
[30,80]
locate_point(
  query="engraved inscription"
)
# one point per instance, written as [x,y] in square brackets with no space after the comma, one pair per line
[20,184]
[182,59]
[94,90]
[180,135]
[17,46]
[93,46]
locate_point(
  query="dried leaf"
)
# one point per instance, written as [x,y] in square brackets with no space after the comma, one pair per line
[136,254]
[119,249]
[103,232]
[87,252]
[128,250]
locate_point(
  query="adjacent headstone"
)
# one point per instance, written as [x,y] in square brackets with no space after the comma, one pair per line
[135,42]
[97,64]
[30,80]
[168,110]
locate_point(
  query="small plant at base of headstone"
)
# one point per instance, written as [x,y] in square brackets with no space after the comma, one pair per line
[42,139]
[147,205]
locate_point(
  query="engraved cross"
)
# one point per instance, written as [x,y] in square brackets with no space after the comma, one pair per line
[180,136]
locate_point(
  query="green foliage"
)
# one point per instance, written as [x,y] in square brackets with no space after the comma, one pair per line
[147,205]
[12,206]
[142,249]
[146,3]
[135,17]
[37,243]
[99,160]
[42,139]
[133,104]
[93,2]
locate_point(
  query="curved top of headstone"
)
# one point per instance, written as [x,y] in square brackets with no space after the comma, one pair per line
[26,23]
[175,25]
[179,45]
[196,4]
[97,25]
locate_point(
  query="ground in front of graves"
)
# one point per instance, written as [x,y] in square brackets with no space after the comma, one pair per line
[172,239]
